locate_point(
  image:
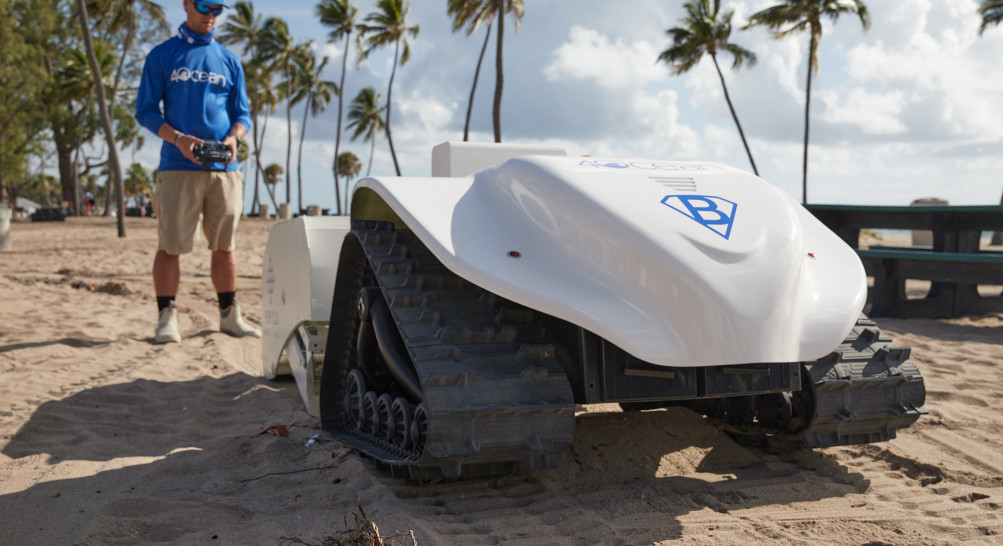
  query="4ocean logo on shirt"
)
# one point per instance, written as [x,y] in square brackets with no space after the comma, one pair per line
[185,74]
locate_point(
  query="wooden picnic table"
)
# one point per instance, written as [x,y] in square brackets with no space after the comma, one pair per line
[955,264]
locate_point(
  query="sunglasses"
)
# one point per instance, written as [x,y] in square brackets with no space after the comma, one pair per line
[205,10]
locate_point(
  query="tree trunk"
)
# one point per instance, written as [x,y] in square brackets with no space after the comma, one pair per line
[499,79]
[372,151]
[337,138]
[116,172]
[78,203]
[477,73]
[289,138]
[807,109]
[255,203]
[390,88]
[299,156]
[126,46]
[734,116]
[257,159]
[46,197]
[271,193]
[67,175]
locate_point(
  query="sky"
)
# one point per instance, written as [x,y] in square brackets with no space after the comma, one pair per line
[911,108]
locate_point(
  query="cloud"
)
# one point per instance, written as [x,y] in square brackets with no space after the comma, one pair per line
[908,109]
[873,113]
[614,64]
[941,67]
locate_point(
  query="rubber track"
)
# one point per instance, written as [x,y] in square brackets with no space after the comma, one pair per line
[863,392]
[497,399]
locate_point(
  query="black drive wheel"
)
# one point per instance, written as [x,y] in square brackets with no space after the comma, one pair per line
[371,419]
[419,429]
[355,387]
[385,416]
[401,411]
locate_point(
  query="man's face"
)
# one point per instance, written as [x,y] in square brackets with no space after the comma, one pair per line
[201,23]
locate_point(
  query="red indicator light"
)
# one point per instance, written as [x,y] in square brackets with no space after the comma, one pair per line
[514,254]
[812,255]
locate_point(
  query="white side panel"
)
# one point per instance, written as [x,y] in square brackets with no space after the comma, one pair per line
[297,283]
[678,263]
[463,158]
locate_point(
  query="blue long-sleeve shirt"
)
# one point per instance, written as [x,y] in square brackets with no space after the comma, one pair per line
[203,93]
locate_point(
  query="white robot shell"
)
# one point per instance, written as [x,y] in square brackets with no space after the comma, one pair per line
[678,263]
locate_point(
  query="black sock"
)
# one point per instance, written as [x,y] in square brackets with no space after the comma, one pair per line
[226,299]
[163,302]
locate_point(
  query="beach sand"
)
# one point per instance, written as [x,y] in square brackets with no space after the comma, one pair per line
[106,438]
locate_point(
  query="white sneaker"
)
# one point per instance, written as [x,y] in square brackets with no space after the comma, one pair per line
[230,322]
[167,326]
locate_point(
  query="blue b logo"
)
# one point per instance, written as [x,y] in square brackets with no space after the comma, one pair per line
[714,213]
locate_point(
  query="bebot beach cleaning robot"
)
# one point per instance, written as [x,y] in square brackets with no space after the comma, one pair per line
[450,326]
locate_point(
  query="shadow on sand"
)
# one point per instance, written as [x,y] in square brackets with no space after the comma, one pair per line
[627,478]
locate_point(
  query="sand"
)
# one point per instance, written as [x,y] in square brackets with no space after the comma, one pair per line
[106,438]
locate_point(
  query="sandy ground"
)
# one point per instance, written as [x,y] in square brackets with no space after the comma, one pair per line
[106,438]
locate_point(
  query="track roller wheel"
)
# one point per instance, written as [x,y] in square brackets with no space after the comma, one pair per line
[419,429]
[370,417]
[773,411]
[400,409]
[355,388]
[385,417]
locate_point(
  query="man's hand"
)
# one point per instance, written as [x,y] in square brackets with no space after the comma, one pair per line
[186,143]
[232,143]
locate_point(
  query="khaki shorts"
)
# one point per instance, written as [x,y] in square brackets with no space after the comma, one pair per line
[182,197]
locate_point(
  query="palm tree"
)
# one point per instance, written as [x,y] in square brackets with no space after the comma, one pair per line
[125,18]
[349,167]
[707,30]
[365,115]
[471,13]
[277,46]
[517,7]
[798,16]
[121,16]
[388,26]
[991,12]
[273,175]
[339,16]
[263,98]
[317,94]
[106,122]
[137,180]
[244,26]
[73,84]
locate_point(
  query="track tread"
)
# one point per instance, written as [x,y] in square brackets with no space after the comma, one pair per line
[863,392]
[497,399]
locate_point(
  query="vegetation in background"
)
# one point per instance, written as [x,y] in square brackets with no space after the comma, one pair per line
[706,30]
[365,115]
[388,25]
[51,119]
[339,16]
[471,13]
[796,16]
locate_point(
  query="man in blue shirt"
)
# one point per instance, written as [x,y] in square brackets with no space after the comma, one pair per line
[201,85]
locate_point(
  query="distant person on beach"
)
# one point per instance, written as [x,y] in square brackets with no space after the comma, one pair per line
[201,85]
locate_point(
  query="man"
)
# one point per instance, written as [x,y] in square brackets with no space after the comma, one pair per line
[201,86]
